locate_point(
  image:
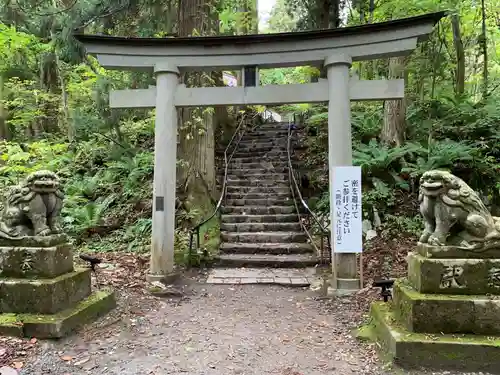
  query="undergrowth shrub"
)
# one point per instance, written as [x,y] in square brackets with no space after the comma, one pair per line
[459,136]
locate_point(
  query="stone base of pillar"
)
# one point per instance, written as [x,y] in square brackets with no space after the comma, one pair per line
[165,279]
[348,284]
[343,287]
[346,268]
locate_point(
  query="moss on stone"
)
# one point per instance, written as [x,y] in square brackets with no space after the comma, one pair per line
[434,313]
[414,294]
[81,306]
[448,351]
[60,324]
[454,252]
[10,325]
[36,262]
[44,296]
[9,318]
[388,317]
[35,241]
[424,275]
[365,332]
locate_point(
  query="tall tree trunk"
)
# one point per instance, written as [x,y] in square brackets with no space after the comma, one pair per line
[196,131]
[371,10]
[459,50]
[4,130]
[367,68]
[484,45]
[393,128]
[328,16]
[66,121]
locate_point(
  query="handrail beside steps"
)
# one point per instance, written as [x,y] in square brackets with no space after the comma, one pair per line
[294,187]
[196,228]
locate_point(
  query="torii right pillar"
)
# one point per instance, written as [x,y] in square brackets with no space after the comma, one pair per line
[344,265]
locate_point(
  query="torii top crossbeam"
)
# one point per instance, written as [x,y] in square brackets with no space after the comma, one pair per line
[366,42]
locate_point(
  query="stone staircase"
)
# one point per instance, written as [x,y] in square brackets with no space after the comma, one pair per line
[259,226]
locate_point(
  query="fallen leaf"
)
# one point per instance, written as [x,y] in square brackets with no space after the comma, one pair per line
[7,371]
[66,358]
[33,340]
[17,365]
[82,361]
[3,351]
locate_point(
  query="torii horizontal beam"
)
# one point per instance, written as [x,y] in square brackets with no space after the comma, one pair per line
[364,42]
[259,95]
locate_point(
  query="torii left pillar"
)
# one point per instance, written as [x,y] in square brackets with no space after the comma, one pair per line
[163,231]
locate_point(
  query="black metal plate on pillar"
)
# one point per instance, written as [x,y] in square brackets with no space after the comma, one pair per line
[160,203]
[250,76]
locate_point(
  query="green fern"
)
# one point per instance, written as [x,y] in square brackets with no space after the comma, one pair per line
[441,155]
[91,215]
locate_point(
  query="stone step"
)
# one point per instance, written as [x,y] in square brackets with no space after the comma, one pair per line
[259,166]
[255,150]
[279,218]
[262,159]
[252,146]
[266,260]
[269,129]
[256,181]
[272,150]
[258,173]
[258,189]
[283,127]
[258,154]
[269,137]
[259,202]
[259,227]
[259,142]
[295,277]
[246,195]
[257,210]
[262,142]
[266,248]
[264,237]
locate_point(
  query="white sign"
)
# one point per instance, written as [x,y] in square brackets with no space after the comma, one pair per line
[348,233]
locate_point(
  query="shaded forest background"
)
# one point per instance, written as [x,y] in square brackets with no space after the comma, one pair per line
[54,110]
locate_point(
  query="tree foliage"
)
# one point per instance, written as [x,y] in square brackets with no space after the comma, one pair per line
[450,115]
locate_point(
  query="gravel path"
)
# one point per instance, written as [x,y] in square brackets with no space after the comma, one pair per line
[218,330]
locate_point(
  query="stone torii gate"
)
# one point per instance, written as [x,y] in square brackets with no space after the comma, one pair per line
[335,49]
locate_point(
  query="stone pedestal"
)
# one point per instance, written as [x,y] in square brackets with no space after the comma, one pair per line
[446,313]
[41,294]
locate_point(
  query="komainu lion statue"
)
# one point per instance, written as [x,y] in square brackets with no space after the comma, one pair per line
[32,208]
[454,214]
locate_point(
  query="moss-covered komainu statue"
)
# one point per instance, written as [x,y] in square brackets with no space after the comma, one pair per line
[42,293]
[33,207]
[454,214]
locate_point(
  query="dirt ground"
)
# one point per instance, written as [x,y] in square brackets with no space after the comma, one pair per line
[209,330]
[221,330]
[218,330]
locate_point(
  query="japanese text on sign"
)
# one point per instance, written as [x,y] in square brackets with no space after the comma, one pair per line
[346,210]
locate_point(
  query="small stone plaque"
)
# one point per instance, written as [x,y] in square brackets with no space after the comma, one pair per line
[454,276]
[36,262]
[160,203]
